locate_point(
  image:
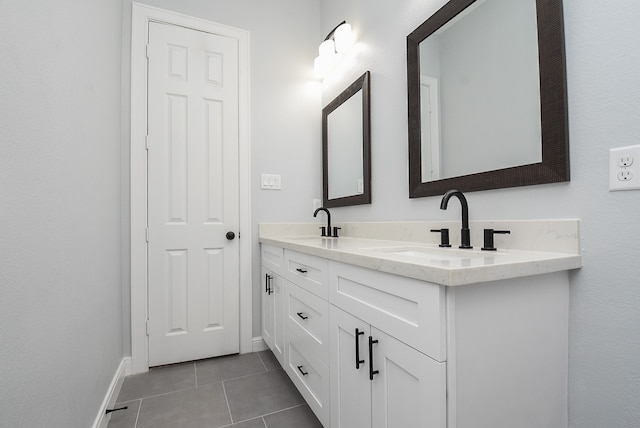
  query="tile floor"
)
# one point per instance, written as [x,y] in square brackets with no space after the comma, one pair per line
[239,391]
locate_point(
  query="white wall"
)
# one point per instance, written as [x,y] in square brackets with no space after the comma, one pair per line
[60,290]
[603,64]
[285,111]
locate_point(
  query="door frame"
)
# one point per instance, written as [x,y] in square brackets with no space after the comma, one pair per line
[140,18]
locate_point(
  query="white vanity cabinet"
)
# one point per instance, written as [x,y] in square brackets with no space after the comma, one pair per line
[272,291]
[374,349]
[378,380]
[307,329]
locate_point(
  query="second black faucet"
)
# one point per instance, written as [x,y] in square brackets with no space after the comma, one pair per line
[465,234]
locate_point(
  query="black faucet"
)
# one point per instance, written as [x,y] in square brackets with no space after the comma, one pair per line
[465,236]
[328,232]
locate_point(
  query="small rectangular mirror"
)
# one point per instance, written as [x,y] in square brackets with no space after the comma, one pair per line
[346,145]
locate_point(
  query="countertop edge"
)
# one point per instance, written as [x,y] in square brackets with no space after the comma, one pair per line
[554,262]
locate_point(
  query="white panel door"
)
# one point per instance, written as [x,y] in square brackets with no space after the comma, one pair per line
[192,194]
[409,389]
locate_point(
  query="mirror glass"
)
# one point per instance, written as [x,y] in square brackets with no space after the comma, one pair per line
[346,145]
[487,97]
[344,149]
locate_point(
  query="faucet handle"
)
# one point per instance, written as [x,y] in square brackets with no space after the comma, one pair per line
[488,238]
[323,231]
[335,231]
[444,237]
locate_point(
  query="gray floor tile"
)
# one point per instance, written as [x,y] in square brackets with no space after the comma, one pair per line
[125,418]
[298,417]
[157,381]
[204,406]
[270,361]
[260,394]
[228,367]
[253,423]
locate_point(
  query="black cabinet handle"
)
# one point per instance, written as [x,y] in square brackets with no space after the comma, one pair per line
[371,370]
[301,316]
[302,371]
[358,360]
[267,284]
[301,270]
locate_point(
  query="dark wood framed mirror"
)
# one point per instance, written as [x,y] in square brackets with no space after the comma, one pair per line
[346,147]
[437,154]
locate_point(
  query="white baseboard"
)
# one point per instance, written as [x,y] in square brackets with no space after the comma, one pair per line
[124,369]
[259,345]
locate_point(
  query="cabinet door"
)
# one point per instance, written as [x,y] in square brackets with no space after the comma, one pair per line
[268,308]
[277,287]
[350,386]
[409,389]
[273,313]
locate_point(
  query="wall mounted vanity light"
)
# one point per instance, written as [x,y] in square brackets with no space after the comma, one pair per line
[338,41]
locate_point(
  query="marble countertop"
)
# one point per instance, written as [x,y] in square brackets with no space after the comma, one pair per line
[427,261]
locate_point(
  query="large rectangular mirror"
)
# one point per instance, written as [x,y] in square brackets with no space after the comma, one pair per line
[346,145]
[487,97]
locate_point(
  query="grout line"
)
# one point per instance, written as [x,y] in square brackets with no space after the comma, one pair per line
[282,410]
[195,371]
[165,393]
[272,413]
[227,401]
[247,375]
[135,425]
[262,361]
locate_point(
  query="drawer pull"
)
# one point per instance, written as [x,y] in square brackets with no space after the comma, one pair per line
[302,371]
[371,370]
[301,270]
[267,284]
[301,316]
[358,360]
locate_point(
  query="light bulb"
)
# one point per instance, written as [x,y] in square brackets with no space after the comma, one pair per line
[327,49]
[343,37]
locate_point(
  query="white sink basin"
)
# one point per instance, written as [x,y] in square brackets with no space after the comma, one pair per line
[436,254]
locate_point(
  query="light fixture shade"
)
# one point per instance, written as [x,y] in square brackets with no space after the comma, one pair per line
[321,65]
[343,37]
[327,49]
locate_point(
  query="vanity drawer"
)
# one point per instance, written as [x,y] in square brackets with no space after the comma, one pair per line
[411,310]
[309,375]
[272,258]
[308,316]
[309,272]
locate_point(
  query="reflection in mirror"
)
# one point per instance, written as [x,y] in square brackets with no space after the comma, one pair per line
[346,146]
[487,97]
[479,73]
[344,149]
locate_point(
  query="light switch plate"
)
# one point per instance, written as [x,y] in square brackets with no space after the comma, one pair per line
[624,168]
[270,181]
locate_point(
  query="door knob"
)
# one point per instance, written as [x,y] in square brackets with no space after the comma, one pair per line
[230,235]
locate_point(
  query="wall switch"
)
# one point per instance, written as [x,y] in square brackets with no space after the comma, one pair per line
[624,166]
[270,181]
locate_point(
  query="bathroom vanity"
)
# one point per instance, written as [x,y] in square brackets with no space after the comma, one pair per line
[399,332]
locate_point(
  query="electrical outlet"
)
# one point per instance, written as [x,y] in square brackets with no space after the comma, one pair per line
[624,167]
[317,203]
